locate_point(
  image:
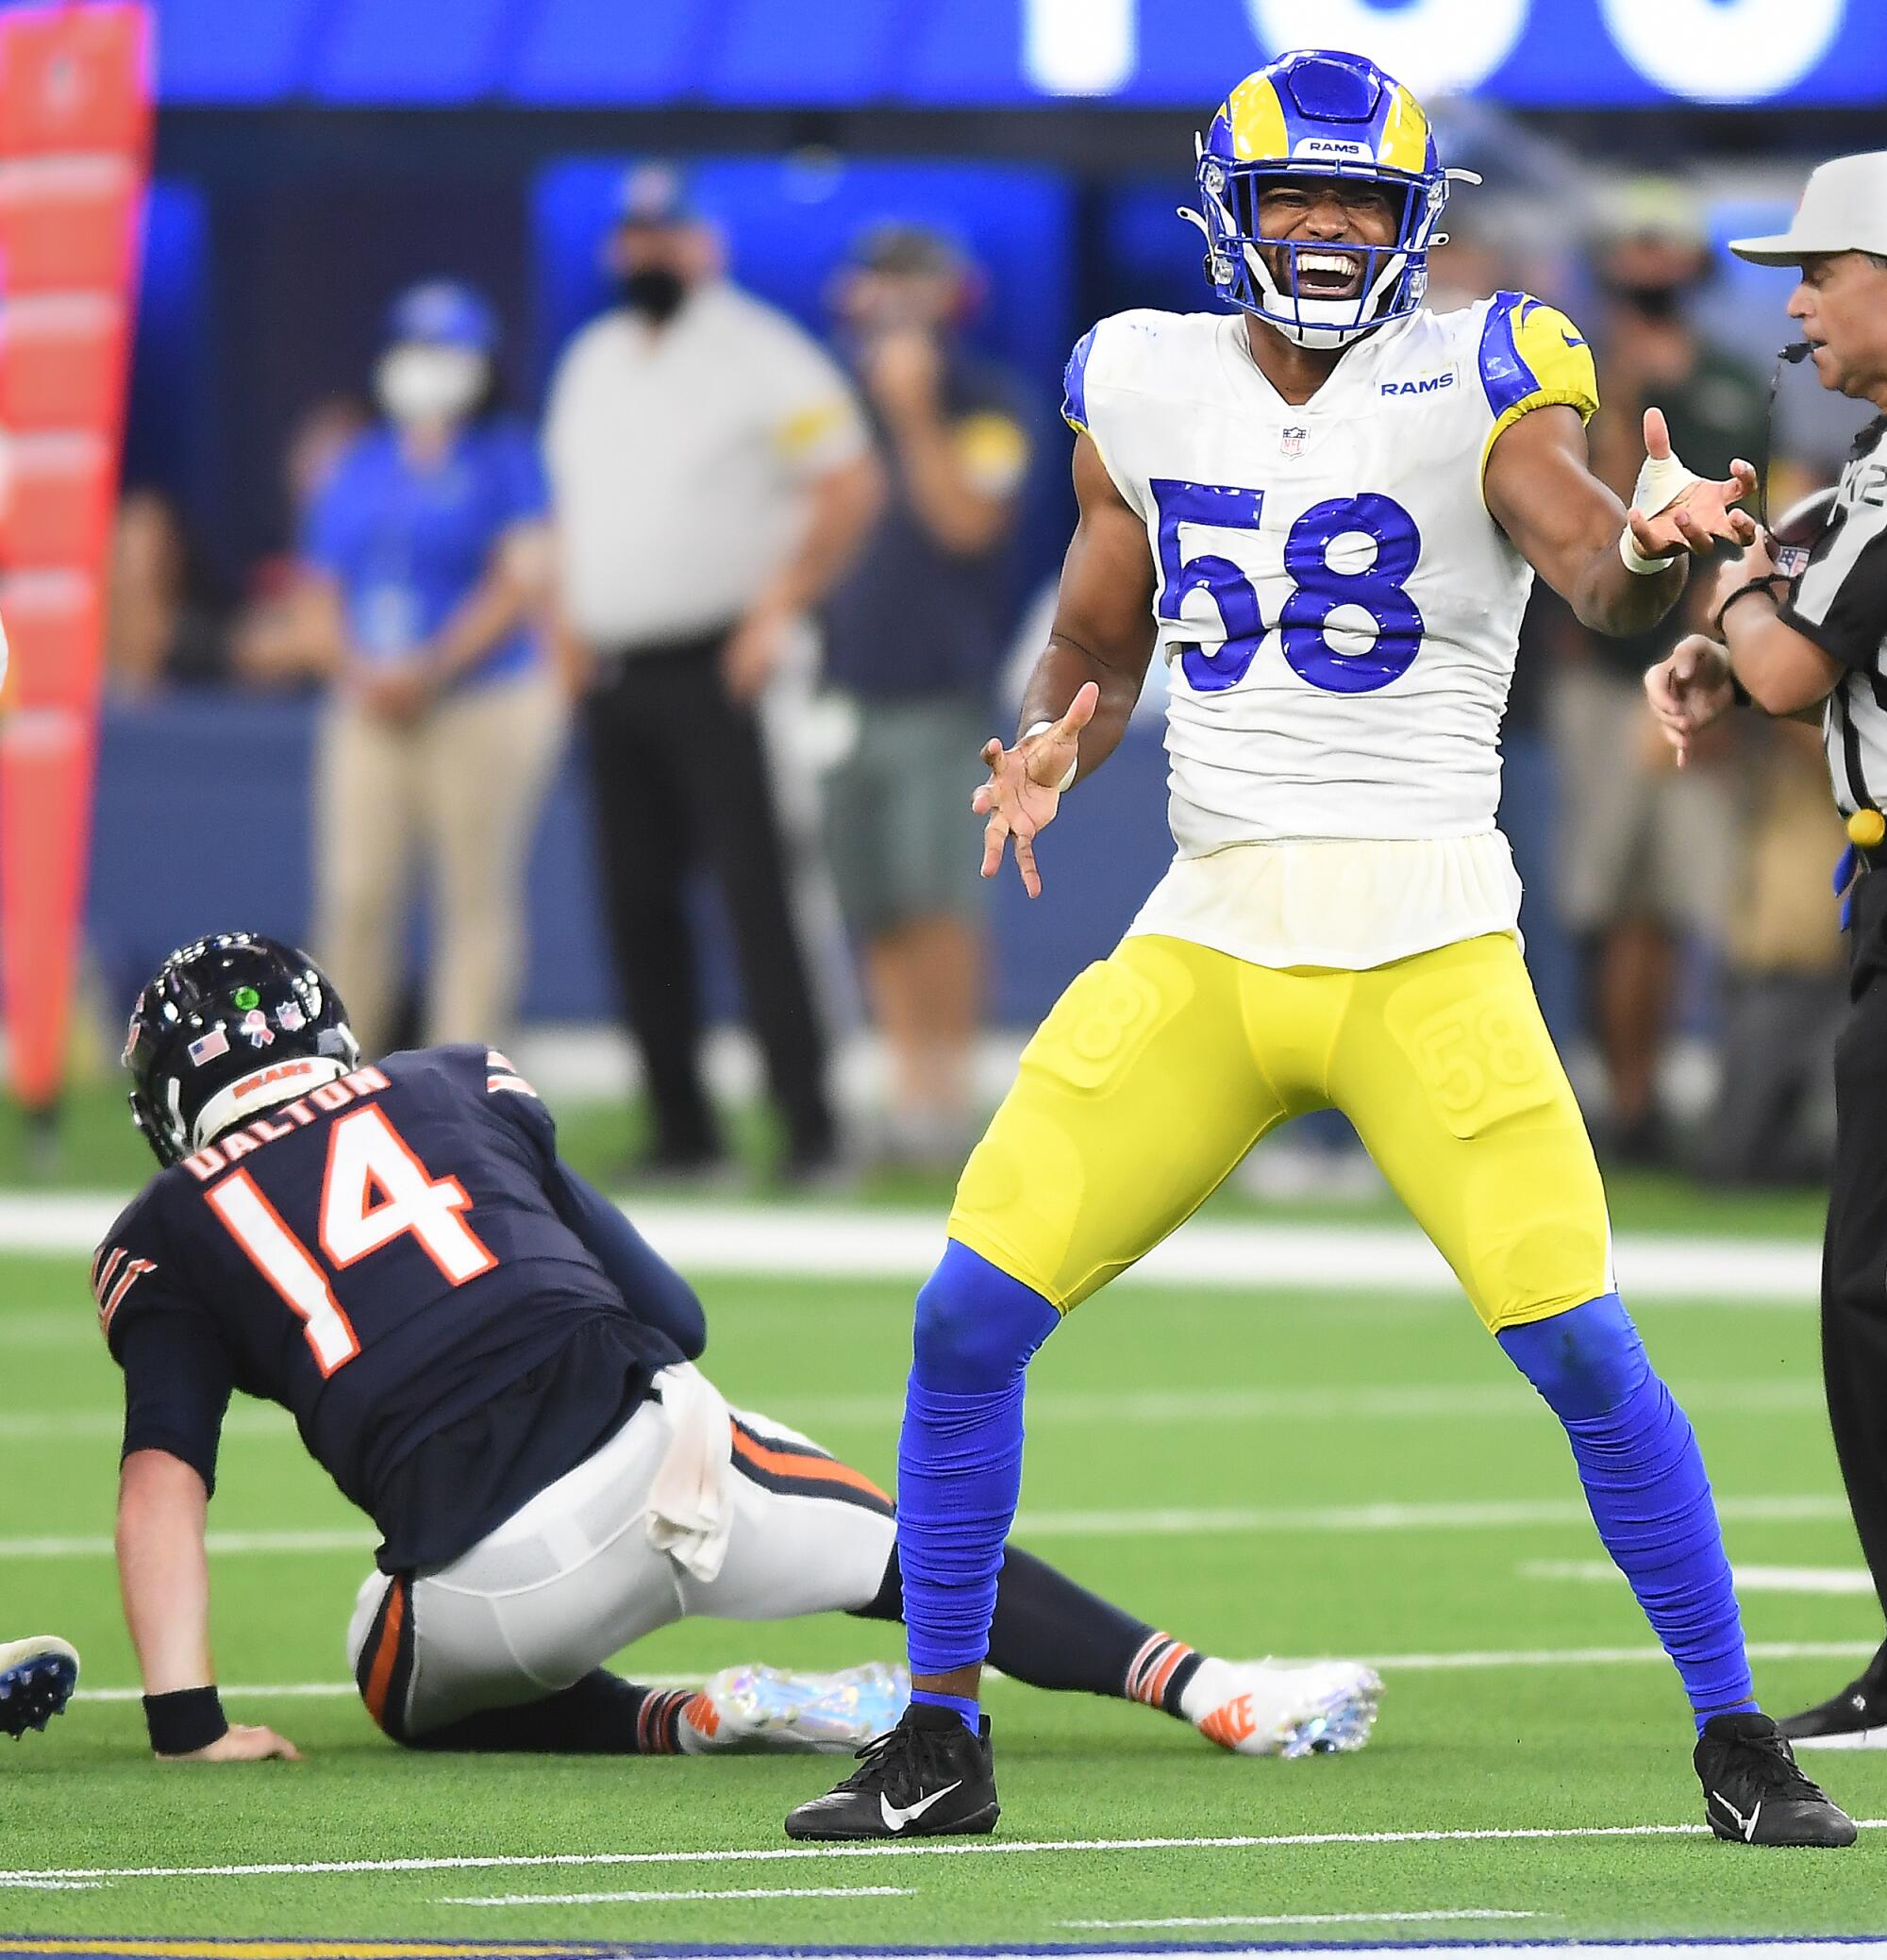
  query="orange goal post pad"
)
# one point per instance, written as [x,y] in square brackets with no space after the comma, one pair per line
[75,149]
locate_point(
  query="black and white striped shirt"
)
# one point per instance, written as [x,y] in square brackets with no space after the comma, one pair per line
[1840,602]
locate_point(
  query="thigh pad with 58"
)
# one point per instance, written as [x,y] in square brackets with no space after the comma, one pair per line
[1481,1054]
[1519,1196]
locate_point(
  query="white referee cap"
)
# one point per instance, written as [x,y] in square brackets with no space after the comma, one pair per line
[1844,209]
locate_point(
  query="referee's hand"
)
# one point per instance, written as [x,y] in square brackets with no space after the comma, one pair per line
[1022,796]
[1688,690]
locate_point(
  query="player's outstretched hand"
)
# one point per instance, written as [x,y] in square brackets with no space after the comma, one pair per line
[241,1744]
[1021,798]
[1688,690]
[1700,517]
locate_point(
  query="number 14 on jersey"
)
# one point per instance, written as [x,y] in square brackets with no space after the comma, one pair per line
[373,1191]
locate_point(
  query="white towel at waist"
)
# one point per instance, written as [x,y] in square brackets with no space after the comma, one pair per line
[690,1509]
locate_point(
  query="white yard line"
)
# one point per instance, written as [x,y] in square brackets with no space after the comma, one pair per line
[1831,1581]
[932,1848]
[1469,1912]
[678,1897]
[1506,1515]
[1549,1946]
[1470,1659]
[855,1242]
[107,1424]
[231,1544]
[1050,1408]
[1603,1656]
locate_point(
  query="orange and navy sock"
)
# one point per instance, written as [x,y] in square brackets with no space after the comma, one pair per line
[1049,1632]
[1160,1671]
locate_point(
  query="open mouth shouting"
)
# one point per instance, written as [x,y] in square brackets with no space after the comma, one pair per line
[1329,274]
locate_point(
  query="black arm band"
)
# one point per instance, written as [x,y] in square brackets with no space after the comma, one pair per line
[182,1723]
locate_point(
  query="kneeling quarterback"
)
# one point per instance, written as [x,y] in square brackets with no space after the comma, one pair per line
[489,1361]
[1325,509]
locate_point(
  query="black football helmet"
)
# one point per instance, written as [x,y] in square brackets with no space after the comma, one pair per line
[215,1012]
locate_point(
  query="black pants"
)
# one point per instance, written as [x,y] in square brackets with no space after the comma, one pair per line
[678,776]
[1770,1122]
[1854,1253]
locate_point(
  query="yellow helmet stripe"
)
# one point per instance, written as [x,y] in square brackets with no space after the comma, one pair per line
[1405,134]
[1256,119]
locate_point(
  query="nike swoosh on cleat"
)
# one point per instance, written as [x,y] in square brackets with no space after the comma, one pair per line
[1746,1825]
[896,1819]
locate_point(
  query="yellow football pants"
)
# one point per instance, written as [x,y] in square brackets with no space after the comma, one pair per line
[1163,1064]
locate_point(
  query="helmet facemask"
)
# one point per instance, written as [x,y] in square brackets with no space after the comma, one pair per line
[1395,275]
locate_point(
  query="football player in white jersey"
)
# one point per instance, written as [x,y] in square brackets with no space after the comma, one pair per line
[1325,509]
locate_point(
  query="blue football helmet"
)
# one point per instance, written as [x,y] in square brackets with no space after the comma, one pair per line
[1318,113]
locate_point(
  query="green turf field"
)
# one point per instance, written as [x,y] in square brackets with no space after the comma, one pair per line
[1314,1473]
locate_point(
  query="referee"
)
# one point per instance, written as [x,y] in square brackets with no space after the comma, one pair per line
[1815,647]
[711,475]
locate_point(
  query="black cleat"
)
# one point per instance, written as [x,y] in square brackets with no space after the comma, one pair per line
[36,1678]
[1845,1719]
[928,1777]
[1754,1793]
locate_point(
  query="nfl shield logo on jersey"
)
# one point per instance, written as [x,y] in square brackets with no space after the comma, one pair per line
[1292,440]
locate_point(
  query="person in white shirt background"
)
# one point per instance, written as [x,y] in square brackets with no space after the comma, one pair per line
[711,475]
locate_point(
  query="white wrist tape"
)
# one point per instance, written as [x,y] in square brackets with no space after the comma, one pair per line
[1042,728]
[1661,481]
[1635,560]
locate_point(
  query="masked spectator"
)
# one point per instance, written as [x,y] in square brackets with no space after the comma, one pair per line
[713,476]
[425,547]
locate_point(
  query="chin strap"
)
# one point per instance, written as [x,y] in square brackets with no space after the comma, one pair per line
[252,1093]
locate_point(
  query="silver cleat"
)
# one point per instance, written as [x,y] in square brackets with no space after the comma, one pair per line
[1290,1709]
[775,1708]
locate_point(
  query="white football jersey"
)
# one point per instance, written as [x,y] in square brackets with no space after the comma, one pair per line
[1339,611]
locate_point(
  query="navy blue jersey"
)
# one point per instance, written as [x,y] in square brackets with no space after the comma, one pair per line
[396,1257]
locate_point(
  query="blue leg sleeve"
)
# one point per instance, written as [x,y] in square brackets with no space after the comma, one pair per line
[1645,1480]
[959,1457]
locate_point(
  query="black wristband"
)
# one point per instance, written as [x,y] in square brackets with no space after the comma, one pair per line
[1766,585]
[186,1721]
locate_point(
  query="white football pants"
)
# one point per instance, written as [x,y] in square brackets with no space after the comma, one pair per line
[690,1508]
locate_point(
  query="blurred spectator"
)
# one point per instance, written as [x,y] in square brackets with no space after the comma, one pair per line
[426,550]
[712,477]
[280,638]
[159,628]
[915,634]
[1773,1121]
[1647,853]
